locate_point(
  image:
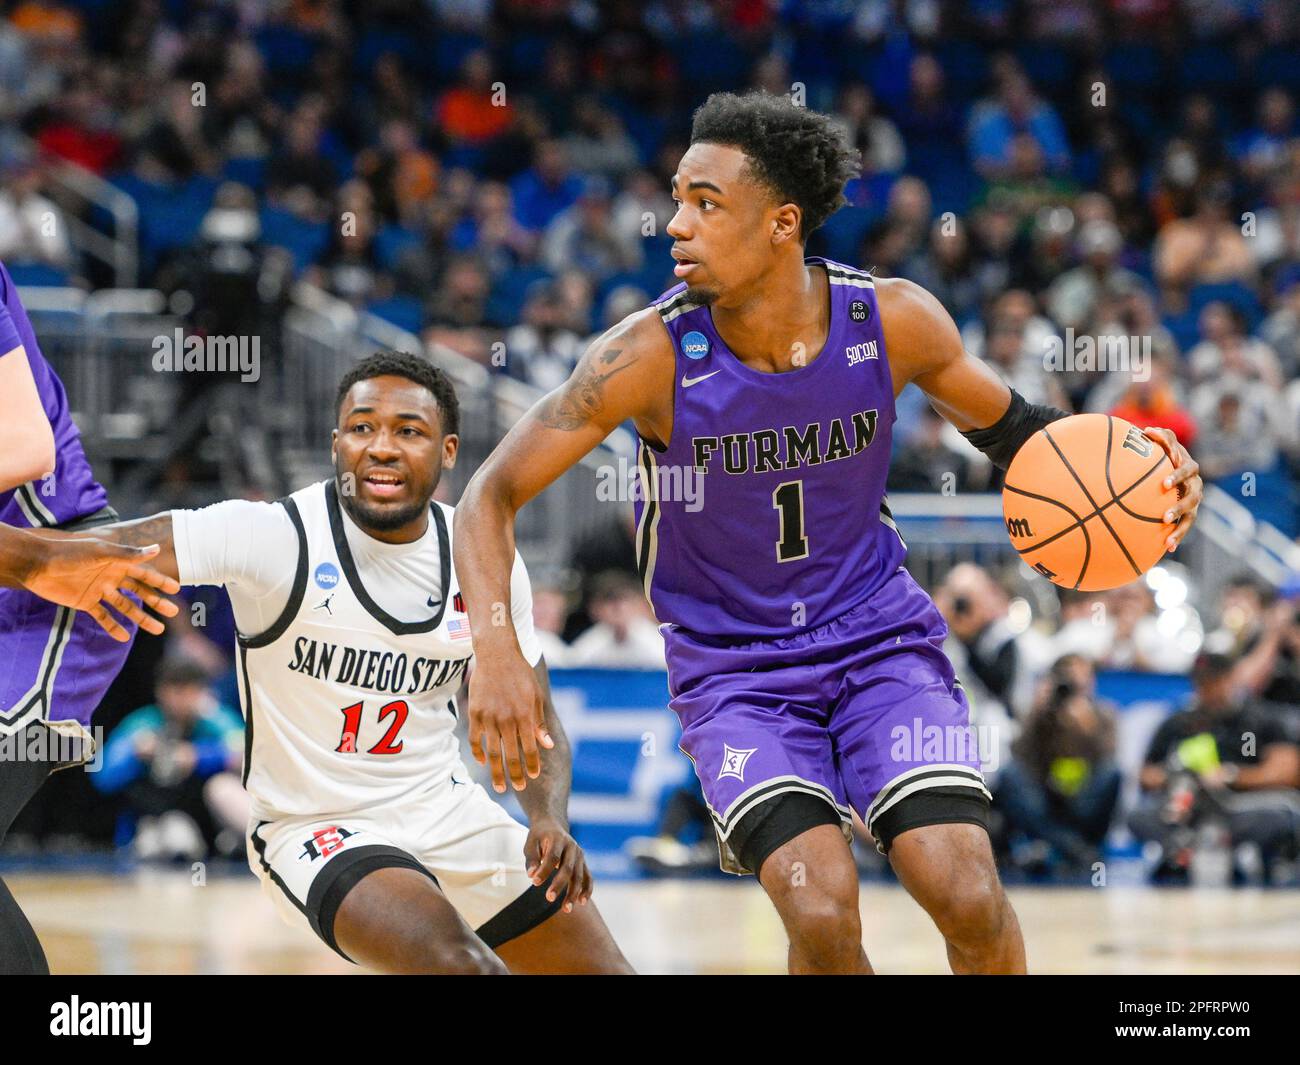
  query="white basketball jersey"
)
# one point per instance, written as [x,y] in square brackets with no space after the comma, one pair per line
[346,707]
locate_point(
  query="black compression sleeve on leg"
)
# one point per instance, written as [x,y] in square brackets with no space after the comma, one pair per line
[1001,440]
[20,950]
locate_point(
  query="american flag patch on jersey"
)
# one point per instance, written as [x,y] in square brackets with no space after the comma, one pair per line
[458,628]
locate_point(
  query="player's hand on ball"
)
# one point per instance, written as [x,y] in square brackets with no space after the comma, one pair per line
[1186,478]
[550,849]
[507,714]
[92,575]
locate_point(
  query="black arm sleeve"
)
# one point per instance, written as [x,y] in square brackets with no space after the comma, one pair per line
[1001,440]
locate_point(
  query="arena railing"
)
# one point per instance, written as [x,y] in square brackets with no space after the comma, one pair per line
[74,187]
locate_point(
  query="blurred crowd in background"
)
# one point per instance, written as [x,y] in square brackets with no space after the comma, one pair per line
[485,173]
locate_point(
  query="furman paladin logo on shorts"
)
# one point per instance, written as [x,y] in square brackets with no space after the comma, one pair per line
[733,762]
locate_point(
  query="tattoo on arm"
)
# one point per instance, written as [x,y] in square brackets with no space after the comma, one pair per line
[582,399]
[141,533]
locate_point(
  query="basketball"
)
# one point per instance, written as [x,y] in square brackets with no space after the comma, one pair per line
[1084,502]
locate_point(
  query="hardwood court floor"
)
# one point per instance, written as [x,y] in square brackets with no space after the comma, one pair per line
[154,921]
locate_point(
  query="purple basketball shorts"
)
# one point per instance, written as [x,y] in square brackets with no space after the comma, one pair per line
[861,712]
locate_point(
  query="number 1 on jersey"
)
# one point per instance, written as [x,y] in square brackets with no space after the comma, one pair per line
[787,499]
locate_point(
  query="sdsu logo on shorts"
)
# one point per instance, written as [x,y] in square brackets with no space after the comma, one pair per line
[324,842]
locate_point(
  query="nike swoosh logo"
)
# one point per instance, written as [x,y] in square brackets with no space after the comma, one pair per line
[688,381]
[435,603]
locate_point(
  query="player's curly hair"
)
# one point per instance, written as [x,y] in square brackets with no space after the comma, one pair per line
[413,368]
[803,156]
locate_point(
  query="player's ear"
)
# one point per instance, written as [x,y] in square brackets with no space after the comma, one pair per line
[334,445]
[785,223]
[450,448]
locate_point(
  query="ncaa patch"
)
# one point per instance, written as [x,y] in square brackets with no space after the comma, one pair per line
[695,345]
[859,310]
[326,576]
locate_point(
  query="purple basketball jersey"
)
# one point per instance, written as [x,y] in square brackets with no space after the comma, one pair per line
[787,527]
[55,663]
[73,491]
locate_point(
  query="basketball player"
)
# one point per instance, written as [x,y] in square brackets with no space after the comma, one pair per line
[353,642]
[804,662]
[55,664]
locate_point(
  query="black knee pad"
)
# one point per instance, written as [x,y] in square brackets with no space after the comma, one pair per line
[930,806]
[775,822]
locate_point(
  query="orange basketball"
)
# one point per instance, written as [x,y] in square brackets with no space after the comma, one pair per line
[1084,502]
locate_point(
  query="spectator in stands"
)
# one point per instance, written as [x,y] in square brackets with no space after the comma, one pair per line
[1010,353]
[457,314]
[927,464]
[1206,248]
[984,647]
[624,635]
[1153,402]
[1015,112]
[1281,329]
[1121,185]
[598,143]
[1226,350]
[176,766]
[299,177]
[1073,297]
[584,236]
[546,188]
[401,174]
[350,267]
[930,123]
[1276,237]
[1062,786]
[476,109]
[1264,148]
[1264,632]
[540,350]
[1225,760]
[33,228]
[945,269]
[874,135]
[1242,428]
[550,608]
[643,208]
[1119,629]
[577,296]
[1027,190]
[493,232]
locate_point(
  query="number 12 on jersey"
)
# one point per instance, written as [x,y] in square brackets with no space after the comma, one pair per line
[389,744]
[787,500]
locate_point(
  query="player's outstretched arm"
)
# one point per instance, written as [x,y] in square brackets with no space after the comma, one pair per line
[620,377]
[925,349]
[550,847]
[90,574]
